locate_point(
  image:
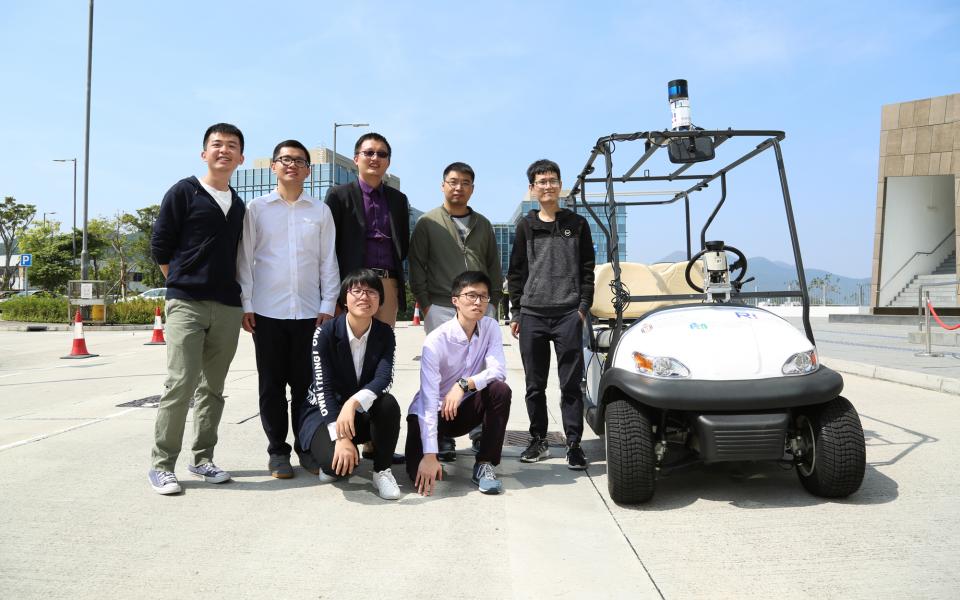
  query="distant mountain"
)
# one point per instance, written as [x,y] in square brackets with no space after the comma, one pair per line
[778,275]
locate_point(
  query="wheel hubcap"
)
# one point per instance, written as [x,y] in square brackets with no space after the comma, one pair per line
[807,462]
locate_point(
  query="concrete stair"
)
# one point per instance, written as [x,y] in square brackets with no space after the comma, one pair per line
[940,296]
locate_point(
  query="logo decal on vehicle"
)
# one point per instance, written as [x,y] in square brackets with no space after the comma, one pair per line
[746,315]
[646,328]
[698,325]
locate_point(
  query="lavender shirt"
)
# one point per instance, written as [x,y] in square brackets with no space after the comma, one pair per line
[379,243]
[446,357]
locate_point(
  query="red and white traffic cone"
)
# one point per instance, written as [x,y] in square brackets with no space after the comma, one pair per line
[79,349]
[416,313]
[157,339]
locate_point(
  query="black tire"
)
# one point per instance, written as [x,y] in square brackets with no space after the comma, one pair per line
[631,472]
[835,452]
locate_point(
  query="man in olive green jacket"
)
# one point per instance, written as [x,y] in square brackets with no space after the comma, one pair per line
[447,241]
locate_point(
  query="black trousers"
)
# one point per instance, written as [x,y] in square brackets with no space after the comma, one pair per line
[283,358]
[566,333]
[490,407]
[381,424]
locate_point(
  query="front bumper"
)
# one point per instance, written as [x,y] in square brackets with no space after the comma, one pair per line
[745,395]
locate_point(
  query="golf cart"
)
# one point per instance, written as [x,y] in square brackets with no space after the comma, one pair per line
[680,368]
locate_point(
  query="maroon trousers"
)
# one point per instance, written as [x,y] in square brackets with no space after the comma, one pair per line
[490,407]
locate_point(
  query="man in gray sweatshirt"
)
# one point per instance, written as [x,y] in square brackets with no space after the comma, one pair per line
[550,281]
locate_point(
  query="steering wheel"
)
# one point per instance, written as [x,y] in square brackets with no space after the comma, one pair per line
[739,264]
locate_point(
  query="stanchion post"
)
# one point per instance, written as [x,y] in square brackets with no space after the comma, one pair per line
[926,324]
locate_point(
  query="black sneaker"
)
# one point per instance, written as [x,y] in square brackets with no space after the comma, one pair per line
[575,458]
[537,450]
[279,466]
[446,449]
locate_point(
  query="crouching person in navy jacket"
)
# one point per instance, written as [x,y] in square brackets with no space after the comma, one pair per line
[348,403]
[462,373]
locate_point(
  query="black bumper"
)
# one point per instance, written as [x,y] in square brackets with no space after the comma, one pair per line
[740,395]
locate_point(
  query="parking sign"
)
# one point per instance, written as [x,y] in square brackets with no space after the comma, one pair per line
[26,260]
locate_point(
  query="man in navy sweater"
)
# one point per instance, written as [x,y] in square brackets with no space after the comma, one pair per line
[195,241]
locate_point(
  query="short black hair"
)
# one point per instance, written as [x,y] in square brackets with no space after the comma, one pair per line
[371,136]
[460,167]
[468,278]
[360,277]
[223,129]
[540,167]
[291,144]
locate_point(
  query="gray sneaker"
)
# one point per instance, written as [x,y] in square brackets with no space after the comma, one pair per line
[279,465]
[209,472]
[538,449]
[486,479]
[163,482]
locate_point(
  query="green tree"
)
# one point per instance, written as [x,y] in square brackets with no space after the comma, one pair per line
[14,220]
[52,256]
[121,237]
[140,254]
[98,246]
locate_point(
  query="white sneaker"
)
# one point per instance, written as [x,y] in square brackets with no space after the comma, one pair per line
[324,478]
[386,485]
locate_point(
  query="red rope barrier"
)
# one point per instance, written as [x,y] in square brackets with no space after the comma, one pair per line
[937,318]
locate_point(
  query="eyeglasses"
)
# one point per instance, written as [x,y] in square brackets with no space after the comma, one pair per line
[377,153]
[288,161]
[547,183]
[360,292]
[455,183]
[472,298]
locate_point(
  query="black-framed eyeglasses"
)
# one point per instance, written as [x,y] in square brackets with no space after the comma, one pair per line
[377,153]
[358,292]
[288,161]
[455,183]
[472,298]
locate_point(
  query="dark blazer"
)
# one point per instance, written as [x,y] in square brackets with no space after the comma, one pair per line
[346,204]
[334,377]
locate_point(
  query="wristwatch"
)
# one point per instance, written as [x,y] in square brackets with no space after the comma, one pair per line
[464,385]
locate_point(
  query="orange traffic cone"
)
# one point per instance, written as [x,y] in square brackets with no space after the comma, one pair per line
[416,313]
[79,349]
[157,339]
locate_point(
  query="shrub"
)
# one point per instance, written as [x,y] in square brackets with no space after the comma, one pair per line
[35,310]
[134,312]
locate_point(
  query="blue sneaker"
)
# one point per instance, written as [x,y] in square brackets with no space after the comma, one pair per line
[486,479]
[163,482]
[209,472]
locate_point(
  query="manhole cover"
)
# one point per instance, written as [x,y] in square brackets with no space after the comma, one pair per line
[522,438]
[148,402]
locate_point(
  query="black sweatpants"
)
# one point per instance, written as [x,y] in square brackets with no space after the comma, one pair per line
[489,407]
[381,424]
[283,358]
[566,333]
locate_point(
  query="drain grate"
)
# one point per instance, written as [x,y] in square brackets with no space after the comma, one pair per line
[148,402]
[516,437]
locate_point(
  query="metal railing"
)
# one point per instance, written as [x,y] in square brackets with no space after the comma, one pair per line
[951,235]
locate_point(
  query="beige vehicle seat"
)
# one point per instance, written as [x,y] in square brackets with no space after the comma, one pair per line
[642,280]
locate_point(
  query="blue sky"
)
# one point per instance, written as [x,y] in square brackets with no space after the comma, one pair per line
[497,85]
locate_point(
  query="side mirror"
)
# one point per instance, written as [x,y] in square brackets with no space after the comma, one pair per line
[690,150]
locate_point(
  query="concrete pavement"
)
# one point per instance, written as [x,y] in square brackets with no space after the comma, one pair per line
[80,521]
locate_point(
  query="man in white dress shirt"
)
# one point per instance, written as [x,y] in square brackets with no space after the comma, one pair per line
[288,275]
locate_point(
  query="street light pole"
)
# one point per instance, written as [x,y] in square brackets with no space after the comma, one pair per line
[333,161]
[45,216]
[84,253]
[73,232]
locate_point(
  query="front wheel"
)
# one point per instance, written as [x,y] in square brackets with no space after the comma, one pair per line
[833,456]
[631,472]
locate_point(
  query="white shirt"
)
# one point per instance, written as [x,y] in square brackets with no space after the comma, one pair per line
[358,349]
[223,198]
[287,262]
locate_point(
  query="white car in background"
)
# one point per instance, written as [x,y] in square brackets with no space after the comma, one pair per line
[153,294]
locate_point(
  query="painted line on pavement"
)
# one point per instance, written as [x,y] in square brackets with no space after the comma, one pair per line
[44,436]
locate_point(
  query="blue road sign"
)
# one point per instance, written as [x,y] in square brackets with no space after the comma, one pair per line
[26,260]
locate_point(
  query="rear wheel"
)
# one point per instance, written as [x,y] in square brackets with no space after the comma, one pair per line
[631,470]
[833,449]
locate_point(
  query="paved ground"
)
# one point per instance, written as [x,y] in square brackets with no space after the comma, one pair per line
[80,521]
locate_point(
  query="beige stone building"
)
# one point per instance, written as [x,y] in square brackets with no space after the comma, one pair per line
[918,205]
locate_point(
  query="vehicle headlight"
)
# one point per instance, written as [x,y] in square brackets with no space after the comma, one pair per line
[659,366]
[801,363]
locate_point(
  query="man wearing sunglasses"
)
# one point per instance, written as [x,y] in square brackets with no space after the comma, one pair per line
[287,270]
[373,223]
[446,241]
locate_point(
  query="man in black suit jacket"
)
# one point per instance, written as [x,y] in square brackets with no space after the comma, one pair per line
[348,402]
[373,223]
